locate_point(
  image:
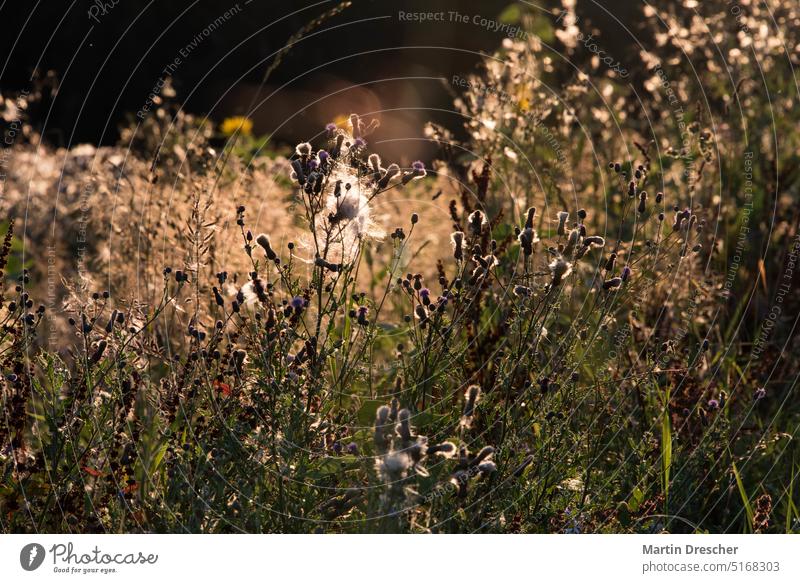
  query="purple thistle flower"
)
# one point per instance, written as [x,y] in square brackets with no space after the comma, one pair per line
[323,155]
[713,404]
[298,303]
[359,143]
[352,448]
[337,447]
[626,273]
[330,128]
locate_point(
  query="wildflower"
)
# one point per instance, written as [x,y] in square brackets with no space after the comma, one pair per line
[425,295]
[562,222]
[417,171]
[298,303]
[612,284]
[240,124]
[713,404]
[303,150]
[626,273]
[352,448]
[559,268]
[477,223]
[457,239]
[330,128]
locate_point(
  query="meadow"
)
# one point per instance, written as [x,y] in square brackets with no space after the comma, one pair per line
[579,318]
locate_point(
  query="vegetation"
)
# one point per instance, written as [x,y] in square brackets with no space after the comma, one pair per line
[581,318]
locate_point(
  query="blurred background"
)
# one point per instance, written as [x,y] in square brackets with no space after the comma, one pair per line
[105,61]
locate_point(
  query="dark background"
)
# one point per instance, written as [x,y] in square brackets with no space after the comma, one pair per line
[355,61]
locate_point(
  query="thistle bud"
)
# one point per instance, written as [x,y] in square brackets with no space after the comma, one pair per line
[472,395]
[390,173]
[477,221]
[403,427]
[612,259]
[642,202]
[263,241]
[572,241]
[562,222]
[529,220]
[594,241]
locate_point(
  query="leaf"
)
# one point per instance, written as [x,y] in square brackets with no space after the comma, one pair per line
[510,15]
[740,485]
[666,446]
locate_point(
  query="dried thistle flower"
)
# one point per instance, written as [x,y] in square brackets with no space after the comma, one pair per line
[562,222]
[477,223]
[559,268]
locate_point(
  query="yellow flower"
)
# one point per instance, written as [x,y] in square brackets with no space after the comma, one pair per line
[241,124]
[341,120]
